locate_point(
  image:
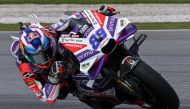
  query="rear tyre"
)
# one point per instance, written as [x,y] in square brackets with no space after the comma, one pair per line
[164,95]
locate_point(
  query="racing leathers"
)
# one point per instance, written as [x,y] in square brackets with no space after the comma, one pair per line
[44,82]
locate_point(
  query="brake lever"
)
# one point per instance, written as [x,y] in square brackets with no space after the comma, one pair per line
[22,26]
[117,12]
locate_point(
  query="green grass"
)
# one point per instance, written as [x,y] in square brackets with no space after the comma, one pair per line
[89,1]
[13,27]
[140,26]
[165,25]
[8,27]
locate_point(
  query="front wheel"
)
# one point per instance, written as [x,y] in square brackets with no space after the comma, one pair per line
[163,94]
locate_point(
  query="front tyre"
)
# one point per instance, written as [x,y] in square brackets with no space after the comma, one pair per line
[166,97]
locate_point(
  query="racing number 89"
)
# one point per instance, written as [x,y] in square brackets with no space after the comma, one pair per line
[96,39]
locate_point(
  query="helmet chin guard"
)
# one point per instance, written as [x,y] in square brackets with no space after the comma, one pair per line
[38,48]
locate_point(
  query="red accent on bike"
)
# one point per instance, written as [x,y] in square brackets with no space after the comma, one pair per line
[74,47]
[99,17]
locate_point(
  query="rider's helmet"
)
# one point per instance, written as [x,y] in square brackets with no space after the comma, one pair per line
[37,47]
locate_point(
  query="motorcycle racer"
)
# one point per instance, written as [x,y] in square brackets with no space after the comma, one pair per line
[44,65]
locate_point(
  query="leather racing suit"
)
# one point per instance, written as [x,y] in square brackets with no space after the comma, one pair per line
[35,77]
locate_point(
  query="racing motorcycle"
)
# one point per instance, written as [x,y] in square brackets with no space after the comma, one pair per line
[112,73]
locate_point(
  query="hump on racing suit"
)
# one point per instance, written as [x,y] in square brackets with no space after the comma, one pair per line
[69,25]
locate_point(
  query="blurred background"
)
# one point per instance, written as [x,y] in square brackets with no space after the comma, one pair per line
[167,49]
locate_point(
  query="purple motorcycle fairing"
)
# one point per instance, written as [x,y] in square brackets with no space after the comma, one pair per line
[86,54]
[96,68]
[81,79]
[93,74]
[129,30]
[125,33]
[111,25]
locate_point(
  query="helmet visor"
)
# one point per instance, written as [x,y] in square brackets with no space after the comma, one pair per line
[41,57]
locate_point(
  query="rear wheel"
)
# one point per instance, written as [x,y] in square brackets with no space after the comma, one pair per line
[161,94]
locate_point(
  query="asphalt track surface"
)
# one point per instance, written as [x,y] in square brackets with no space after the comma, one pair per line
[166,51]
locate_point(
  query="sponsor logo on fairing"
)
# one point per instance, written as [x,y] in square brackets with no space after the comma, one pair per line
[69,40]
[83,28]
[111,25]
[74,47]
[75,36]
[91,17]
[86,54]
[122,23]
[86,18]
[99,17]
[70,35]
[88,32]
[86,65]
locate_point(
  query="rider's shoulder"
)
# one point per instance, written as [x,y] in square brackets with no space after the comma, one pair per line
[76,15]
[15,49]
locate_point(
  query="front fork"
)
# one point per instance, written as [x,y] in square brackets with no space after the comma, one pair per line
[124,60]
[128,64]
[128,84]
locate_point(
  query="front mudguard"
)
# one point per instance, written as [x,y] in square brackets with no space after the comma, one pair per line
[127,65]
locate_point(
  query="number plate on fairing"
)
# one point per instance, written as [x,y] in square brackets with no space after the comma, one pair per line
[88,50]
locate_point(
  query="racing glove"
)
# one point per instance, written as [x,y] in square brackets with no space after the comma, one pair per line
[106,10]
[56,69]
